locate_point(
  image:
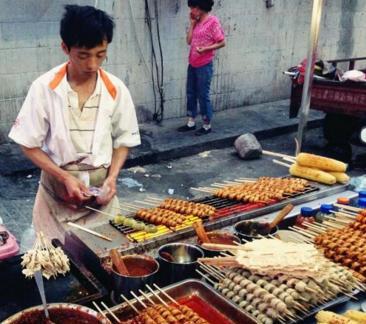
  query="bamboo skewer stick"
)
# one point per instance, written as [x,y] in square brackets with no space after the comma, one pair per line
[110,312]
[165,294]
[155,198]
[138,299]
[146,203]
[99,211]
[131,206]
[216,185]
[82,228]
[147,297]
[130,304]
[207,278]
[203,190]
[266,152]
[351,208]
[281,163]
[291,160]
[157,296]
[337,220]
[340,214]
[101,312]
[224,247]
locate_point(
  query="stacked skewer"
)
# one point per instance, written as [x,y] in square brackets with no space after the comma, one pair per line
[168,215]
[270,293]
[262,190]
[161,312]
[341,237]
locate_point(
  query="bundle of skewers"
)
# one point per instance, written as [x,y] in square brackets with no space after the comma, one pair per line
[161,312]
[166,215]
[273,294]
[341,237]
[262,190]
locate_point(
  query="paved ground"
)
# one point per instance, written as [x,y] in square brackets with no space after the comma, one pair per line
[175,176]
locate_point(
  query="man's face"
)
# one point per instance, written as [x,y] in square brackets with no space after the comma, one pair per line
[196,12]
[86,60]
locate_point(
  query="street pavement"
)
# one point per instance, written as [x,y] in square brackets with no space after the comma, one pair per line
[170,163]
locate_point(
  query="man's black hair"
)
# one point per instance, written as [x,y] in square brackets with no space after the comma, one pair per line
[205,5]
[85,26]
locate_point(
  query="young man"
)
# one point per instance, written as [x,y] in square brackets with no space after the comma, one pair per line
[77,123]
[204,36]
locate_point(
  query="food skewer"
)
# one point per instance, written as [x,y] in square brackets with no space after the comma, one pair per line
[101,312]
[110,312]
[201,233]
[118,262]
[157,296]
[130,304]
[351,208]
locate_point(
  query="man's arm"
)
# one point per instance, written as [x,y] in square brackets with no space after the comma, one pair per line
[118,160]
[211,47]
[75,188]
[193,23]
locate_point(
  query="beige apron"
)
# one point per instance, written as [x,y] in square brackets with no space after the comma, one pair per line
[51,212]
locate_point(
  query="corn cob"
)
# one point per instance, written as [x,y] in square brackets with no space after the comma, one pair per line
[340,177]
[320,162]
[312,174]
[359,317]
[333,318]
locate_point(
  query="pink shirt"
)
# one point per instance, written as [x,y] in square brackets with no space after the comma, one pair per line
[204,34]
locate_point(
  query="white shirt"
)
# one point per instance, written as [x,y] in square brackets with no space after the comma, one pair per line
[43,120]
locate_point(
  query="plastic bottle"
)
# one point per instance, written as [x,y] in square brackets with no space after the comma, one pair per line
[324,210]
[306,215]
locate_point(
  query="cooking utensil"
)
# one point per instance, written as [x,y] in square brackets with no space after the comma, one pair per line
[118,262]
[39,281]
[280,216]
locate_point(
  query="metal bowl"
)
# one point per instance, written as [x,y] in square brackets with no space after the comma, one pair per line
[218,237]
[91,316]
[178,261]
[143,270]
[251,230]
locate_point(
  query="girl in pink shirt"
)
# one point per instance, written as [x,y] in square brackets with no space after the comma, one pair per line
[205,35]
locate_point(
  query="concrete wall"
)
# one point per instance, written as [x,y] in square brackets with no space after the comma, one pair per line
[261,43]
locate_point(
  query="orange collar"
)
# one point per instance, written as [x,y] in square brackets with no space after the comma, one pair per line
[62,72]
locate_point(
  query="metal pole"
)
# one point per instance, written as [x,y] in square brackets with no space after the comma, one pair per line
[312,51]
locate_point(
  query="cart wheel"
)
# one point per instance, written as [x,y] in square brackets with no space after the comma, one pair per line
[338,128]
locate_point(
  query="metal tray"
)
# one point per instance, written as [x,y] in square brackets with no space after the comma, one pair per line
[192,287]
[17,292]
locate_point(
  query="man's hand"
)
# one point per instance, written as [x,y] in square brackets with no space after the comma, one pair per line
[76,190]
[193,20]
[201,50]
[108,191]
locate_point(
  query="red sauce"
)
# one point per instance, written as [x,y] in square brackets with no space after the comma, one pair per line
[204,310]
[139,266]
[57,316]
[221,238]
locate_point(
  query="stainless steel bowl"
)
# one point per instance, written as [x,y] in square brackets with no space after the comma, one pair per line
[143,270]
[178,261]
[96,318]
